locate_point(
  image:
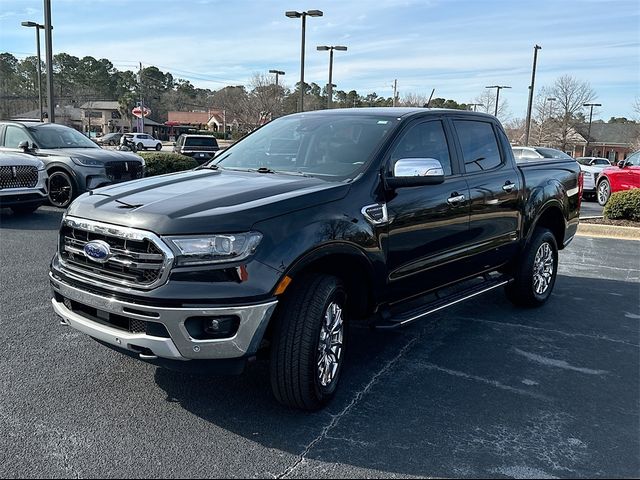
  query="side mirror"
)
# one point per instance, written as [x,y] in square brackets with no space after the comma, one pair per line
[24,146]
[622,164]
[414,172]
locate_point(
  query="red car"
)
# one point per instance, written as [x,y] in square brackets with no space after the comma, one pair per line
[623,177]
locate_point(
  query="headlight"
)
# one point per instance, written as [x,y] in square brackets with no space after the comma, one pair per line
[215,248]
[87,162]
[588,174]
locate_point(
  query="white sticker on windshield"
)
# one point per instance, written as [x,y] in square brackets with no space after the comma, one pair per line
[383,122]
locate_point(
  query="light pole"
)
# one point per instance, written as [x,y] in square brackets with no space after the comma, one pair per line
[475,105]
[533,81]
[590,105]
[48,46]
[498,88]
[331,49]
[277,72]
[37,26]
[550,100]
[303,15]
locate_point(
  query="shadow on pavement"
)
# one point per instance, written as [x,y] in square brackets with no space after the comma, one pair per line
[486,390]
[45,218]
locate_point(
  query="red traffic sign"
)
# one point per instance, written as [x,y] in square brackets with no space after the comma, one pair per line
[137,112]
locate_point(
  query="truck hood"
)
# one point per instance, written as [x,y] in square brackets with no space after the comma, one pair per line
[204,201]
[48,155]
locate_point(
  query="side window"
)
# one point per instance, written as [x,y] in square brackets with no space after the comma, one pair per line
[14,135]
[425,140]
[634,160]
[479,145]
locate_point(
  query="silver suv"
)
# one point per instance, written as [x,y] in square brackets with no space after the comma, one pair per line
[23,182]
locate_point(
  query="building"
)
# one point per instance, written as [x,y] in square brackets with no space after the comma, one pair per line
[214,120]
[67,115]
[615,141]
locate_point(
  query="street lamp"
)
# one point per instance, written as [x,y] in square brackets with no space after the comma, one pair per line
[533,81]
[550,100]
[498,88]
[277,72]
[591,105]
[37,26]
[303,15]
[331,49]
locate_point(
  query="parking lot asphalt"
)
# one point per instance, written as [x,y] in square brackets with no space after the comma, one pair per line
[483,389]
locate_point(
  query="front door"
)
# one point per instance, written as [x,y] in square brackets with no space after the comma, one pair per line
[428,225]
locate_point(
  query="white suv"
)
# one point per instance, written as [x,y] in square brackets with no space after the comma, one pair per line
[143,141]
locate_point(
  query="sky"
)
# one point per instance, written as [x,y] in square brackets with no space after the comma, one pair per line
[455,46]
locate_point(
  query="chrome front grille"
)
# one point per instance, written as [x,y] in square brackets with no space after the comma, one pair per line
[137,259]
[19,176]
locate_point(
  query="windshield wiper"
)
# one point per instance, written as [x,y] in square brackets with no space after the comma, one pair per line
[208,167]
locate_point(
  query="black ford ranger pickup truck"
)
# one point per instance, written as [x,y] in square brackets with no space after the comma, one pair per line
[312,222]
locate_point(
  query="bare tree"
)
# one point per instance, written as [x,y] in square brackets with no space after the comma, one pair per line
[545,119]
[414,100]
[265,97]
[487,99]
[570,95]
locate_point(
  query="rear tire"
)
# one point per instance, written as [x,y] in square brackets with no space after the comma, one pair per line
[140,147]
[535,273]
[308,343]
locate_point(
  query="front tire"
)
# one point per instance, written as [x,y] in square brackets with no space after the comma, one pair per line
[604,192]
[158,147]
[62,189]
[535,273]
[308,343]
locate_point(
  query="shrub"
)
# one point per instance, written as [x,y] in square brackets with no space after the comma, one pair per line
[624,205]
[159,163]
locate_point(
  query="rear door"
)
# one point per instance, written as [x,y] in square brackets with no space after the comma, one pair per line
[428,225]
[494,188]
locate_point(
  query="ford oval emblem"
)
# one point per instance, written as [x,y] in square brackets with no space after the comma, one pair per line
[97,250]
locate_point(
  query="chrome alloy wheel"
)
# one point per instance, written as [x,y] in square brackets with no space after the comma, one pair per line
[543,267]
[603,192]
[330,344]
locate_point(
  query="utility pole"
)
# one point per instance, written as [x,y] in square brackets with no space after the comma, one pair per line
[51,113]
[533,81]
[591,105]
[141,99]
[395,91]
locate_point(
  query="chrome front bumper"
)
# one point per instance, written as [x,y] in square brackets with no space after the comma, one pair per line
[181,346]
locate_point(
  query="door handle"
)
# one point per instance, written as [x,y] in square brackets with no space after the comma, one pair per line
[508,187]
[455,200]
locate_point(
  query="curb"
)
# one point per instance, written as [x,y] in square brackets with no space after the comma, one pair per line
[608,231]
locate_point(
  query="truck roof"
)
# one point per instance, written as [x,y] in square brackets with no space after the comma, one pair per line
[395,111]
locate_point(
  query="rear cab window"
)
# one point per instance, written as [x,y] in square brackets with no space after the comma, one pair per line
[479,145]
[208,142]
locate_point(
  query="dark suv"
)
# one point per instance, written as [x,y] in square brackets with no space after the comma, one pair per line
[199,147]
[74,163]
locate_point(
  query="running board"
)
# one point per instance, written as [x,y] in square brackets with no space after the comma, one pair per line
[403,318]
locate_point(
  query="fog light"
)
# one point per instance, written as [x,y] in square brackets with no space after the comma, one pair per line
[212,326]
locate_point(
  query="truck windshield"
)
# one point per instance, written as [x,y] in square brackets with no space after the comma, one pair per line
[331,146]
[59,136]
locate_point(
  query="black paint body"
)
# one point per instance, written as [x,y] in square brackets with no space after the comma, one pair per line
[426,243]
